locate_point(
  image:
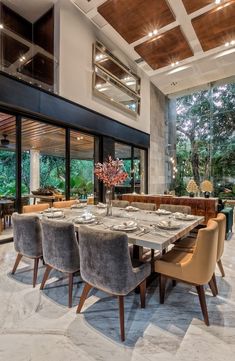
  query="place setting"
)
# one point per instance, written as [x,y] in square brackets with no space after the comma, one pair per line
[53,213]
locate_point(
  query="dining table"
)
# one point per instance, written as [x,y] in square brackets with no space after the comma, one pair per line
[153,230]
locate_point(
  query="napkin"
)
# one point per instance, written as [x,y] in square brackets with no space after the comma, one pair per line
[130,208]
[102,205]
[125,225]
[87,216]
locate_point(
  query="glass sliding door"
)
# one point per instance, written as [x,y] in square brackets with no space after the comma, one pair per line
[43,162]
[81,165]
[139,174]
[7,167]
[124,153]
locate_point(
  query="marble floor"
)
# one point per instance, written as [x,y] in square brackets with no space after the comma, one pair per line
[37,325]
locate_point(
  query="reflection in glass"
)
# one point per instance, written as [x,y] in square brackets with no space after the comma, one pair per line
[81,165]
[7,166]
[43,160]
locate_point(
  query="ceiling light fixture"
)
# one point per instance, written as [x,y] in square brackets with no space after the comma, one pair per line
[217,2]
[175,63]
[1,26]
[152,33]
[232,42]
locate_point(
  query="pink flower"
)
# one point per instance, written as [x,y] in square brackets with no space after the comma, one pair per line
[111,172]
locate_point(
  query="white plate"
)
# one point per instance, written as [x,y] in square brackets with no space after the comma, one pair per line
[101,205]
[187,217]
[162,212]
[120,228]
[78,206]
[131,209]
[81,220]
[168,225]
[54,214]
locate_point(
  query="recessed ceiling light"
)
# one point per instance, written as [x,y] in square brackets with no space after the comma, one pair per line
[226,44]
[150,34]
[1,26]
[232,42]
[155,32]
[217,1]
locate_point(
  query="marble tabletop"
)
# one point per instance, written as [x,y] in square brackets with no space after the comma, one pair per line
[146,235]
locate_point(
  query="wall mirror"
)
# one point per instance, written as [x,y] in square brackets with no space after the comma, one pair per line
[114,81]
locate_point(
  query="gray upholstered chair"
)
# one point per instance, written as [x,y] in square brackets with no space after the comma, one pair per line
[144,206]
[120,203]
[27,240]
[60,250]
[176,208]
[106,265]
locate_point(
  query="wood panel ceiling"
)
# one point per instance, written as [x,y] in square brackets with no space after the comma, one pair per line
[48,139]
[200,46]
[194,5]
[216,27]
[134,19]
[165,49]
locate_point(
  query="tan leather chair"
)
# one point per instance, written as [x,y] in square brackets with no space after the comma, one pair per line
[176,208]
[120,203]
[144,206]
[64,204]
[35,208]
[188,244]
[195,268]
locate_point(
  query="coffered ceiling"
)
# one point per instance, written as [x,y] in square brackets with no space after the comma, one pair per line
[179,43]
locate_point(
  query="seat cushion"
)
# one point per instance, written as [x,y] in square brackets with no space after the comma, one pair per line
[170,263]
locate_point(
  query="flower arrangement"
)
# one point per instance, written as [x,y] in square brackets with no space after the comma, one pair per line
[206,186]
[110,172]
[192,187]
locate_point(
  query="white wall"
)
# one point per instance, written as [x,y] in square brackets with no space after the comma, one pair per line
[77,34]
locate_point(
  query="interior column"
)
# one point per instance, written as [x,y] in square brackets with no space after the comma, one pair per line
[34,169]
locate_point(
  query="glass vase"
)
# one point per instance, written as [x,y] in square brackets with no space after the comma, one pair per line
[108,201]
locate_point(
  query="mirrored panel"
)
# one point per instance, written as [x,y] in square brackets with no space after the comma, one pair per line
[114,82]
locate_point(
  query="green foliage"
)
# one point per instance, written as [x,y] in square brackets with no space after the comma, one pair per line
[206,137]
[52,173]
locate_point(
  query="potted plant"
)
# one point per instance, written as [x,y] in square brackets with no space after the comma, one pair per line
[206,187]
[192,188]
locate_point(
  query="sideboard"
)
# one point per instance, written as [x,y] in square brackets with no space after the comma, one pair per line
[200,206]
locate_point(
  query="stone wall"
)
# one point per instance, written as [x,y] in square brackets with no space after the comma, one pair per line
[158,140]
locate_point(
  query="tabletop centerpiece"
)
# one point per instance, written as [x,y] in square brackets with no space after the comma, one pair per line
[110,173]
[192,188]
[207,188]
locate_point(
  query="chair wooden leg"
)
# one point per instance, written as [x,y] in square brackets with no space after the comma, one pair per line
[85,292]
[45,277]
[213,286]
[35,271]
[162,287]
[142,293]
[221,268]
[17,261]
[121,317]
[202,299]
[70,289]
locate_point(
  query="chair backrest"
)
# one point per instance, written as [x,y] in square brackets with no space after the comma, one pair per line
[120,203]
[35,208]
[60,246]
[176,208]
[144,206]
[27,234]
[64,204]
[203,261]
[221,221]
[105,260]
